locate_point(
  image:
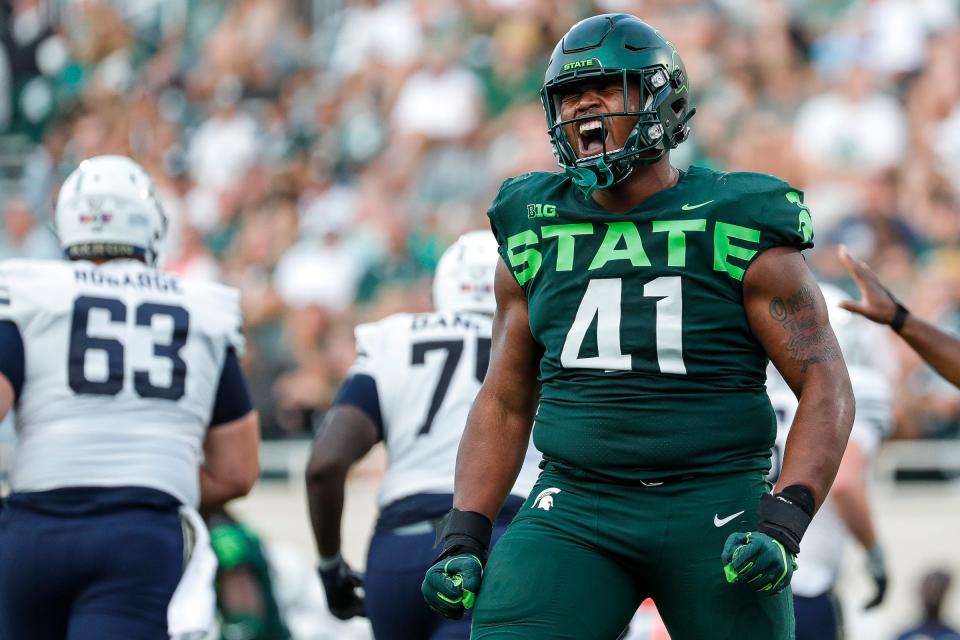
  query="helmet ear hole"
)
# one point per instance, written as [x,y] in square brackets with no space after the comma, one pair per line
[677,78]
[679,105]
[681,133]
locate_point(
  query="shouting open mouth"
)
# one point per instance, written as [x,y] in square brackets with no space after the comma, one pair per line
[591,138]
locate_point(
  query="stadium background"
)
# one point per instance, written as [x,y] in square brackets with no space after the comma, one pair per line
[320,154]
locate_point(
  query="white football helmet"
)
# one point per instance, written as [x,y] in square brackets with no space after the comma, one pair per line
[464,277]
[108,208]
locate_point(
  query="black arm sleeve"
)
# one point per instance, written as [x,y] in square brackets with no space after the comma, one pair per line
[12,361]
[233,397]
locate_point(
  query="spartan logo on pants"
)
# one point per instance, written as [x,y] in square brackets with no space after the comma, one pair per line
[545,499]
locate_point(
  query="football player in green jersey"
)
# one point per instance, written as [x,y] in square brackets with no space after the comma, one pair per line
[638,306]
[245,600]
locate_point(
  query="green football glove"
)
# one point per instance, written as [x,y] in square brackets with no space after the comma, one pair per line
[758,560]
[453,582]
[766,558]
[451,585]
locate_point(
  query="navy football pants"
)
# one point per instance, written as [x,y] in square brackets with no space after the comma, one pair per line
[818,618]
[99,577]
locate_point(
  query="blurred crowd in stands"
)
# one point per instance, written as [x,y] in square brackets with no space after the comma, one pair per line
[320,154]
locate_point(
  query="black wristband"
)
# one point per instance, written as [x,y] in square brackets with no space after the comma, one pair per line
[900,314]
[464,532]
[899,317]
[786,515]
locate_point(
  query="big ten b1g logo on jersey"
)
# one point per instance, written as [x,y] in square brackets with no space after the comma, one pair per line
[451,352]
[145,316]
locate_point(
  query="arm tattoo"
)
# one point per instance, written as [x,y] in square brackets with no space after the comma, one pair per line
[809,341]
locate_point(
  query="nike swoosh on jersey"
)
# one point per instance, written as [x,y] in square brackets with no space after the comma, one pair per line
[719,522]
[691,207]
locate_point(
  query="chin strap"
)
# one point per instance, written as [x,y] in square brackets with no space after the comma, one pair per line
[587,179]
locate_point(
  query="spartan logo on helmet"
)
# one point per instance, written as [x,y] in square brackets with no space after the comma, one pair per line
[545,499]
[618,47]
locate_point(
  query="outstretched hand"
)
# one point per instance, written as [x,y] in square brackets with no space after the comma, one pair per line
[875,301]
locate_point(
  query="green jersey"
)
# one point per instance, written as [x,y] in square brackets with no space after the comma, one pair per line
[649,366]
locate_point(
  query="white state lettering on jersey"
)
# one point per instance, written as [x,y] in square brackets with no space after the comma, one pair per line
[825,539]
[428,369]
[122,368]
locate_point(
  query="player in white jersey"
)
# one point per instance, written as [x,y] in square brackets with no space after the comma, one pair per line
[846,511]
[117,373]
[411,387]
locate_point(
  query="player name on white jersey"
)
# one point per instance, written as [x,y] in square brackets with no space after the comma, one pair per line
[150,280]
[465,321]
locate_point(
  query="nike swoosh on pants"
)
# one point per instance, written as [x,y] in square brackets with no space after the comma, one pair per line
[719,522]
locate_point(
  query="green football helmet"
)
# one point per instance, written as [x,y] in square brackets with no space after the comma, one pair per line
[624,47]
